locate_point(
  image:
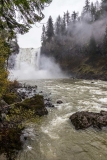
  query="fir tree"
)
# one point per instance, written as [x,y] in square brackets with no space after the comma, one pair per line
[92,46]
[68,18]
[105,43]
[104,6]
[58,26]
[93,12]
[29,12]
[43,37]
[87,6]
[98,10]
[63,25]
[50,29]
[74,16]
[86,12]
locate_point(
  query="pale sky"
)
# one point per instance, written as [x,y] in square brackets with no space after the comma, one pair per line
[33,38]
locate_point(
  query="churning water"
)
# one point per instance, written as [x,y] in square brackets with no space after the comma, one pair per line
[30,65]
[54,137]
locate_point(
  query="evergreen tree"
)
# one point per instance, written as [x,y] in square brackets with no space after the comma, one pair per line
[97,5]
[86,11]
[74,16]
[87,6]
[43,37]
[58,26]
[105,43]
[68,18]
[98,10]
[50,29]
[92,46]
[104,6]
[63,25]
[93,12]
[10,10]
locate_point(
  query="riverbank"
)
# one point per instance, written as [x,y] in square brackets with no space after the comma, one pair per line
[19,105]
[55,136]
[93,67]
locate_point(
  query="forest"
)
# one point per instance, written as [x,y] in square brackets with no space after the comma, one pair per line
[78,42]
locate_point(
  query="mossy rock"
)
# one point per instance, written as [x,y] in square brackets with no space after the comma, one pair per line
[33,103]
[11,98]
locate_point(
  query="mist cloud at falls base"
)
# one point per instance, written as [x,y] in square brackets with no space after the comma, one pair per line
[30,67]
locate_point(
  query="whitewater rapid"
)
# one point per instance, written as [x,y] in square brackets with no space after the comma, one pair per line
[54,137]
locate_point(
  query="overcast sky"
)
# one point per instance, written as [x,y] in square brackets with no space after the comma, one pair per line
[33,38]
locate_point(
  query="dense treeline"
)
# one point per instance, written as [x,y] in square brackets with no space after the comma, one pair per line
[77,36]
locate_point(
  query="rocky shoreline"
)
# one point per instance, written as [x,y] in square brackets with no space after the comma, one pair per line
[20,103]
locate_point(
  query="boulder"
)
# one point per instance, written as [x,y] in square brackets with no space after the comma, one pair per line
[35,104]
[84,119]
[59,102]
[48,103]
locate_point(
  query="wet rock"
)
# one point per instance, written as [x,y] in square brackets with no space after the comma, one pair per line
[59,102]
[92,82]
[49,104]
[84,119]
[35,104]
[41,112]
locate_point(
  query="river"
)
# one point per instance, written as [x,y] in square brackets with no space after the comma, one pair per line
[54,137]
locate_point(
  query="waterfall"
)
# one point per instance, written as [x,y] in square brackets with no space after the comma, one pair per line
[30,65]
[29,57]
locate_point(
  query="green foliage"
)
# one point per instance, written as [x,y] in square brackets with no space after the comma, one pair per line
[4,53]
[10,98]
[50,29]
[35,102]
[16,16]
[21,111]
[28,12]
[10,142]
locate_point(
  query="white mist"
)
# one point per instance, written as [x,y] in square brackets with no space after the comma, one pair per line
[31,65]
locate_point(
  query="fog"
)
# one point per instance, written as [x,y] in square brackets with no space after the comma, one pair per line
[83,31]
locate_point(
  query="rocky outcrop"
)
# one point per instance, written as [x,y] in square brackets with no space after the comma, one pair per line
[34,104]
[84,119]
